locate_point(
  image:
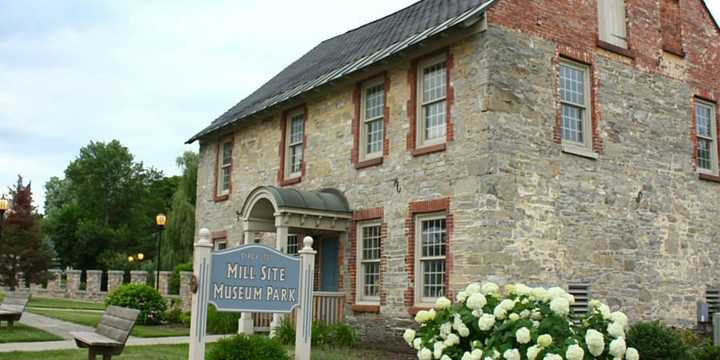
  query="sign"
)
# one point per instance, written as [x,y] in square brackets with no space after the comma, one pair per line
[254,278]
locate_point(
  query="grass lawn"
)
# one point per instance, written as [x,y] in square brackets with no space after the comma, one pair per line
[92,319]
[40,302]
[23,333]
[179,352]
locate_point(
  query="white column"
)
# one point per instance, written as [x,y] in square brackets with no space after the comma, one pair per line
[245,323]
[303,321]
[281,235]
[201,273]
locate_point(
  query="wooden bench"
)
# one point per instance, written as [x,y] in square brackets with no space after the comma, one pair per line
[13,306]
[111,334]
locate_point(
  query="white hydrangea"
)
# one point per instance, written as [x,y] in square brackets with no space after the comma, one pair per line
[544,340]
[522,335]
[560,306]
[486,322]
[442,303]
[540,294]
[620,318]
[476,301]
[632,354]
[533,351]
[445,357]
[605,311]
[445,330]
[473,289]
[463,330]
[595,342]
[556,292]
[552,357]
[507,304]
[500,312]
[512,354]
[536,315]
[461,296]
[438,348]
[490,288]
[525,314]
[522,290]
[424,316]
[452,340]
[476,354]
[425,354]
[536,324]
[618,347]
[574,352]
[409,336]
[417,344]
[616,330]
[466,356]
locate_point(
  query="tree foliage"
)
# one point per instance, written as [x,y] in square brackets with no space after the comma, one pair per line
[105,206]
[22,248]
[181,220]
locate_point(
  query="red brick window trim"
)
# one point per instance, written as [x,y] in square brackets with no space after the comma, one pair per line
[370,110]
[223,169]
[418,143]
[705,104]
[370,221]
[287,174]
[417,210]
[671,27]
[577,60]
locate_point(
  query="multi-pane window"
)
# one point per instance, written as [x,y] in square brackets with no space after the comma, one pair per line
[611,22]
[225,168]
[373,112]
[296,136]
[369,262]
[706,129]
[575,104]
[432,101]
[221,245]
[431,240]
[292,244]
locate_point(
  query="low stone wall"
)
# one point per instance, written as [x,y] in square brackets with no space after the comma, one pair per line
[67,284]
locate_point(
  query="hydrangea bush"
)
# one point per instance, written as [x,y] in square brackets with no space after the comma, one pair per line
[523,324]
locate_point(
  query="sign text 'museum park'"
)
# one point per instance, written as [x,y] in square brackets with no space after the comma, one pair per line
[254,278]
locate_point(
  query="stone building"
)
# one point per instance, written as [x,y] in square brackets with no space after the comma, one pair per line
[544,141]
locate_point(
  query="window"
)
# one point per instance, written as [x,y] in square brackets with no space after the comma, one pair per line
[611,22]
[292,244]
[368,255]
[295,140]
[706,129]
[575,105]
[372,115]
[432,101]
[430,250]
[224,168]
[221,245]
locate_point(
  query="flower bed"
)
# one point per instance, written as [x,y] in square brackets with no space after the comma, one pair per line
[523,324]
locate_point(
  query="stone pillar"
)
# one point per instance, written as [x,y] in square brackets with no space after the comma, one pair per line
[94,277]
[115,279]
[20,277]
[138,277]
[72,285]
[164,282]
[54,285]
[281,235]
[185,293]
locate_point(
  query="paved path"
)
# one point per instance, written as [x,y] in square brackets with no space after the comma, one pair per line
[53,326]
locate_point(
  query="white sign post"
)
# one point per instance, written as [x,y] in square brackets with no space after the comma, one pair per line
[252,278]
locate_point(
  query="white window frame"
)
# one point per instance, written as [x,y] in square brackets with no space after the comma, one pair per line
[612,25]
[361,298]
[222,166]
[289,174]
[583,148]
[364,121]
[714,170]
[420,105]
[419,272]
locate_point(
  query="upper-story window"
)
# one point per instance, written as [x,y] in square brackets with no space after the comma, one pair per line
[430,253]
[432,94]
[295,139]
[372,114]
[611,22]
[576,108]
[706,129]
[368,248]
[224,170]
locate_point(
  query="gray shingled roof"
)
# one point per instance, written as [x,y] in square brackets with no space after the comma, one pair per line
[351,51]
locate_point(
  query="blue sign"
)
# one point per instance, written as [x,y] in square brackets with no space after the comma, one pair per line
[254,278]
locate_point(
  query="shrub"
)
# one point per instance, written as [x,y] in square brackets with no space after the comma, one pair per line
[141,297]
[175,278]
[525,323]
[285,333]
[707,352]
[175,314]
[340,334]
[344,335]
[221,322]
[241,347]
[655,340]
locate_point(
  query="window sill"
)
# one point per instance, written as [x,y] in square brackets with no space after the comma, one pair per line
[417,308]
[368,163]
[677,52]
[574,150]
[365,308]
[616,49]
[293,181]
[221,198]
[708,177]
[429,149]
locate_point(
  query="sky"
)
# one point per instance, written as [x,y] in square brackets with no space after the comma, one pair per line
[147,73]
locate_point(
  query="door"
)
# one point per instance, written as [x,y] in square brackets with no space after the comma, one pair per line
[329,272]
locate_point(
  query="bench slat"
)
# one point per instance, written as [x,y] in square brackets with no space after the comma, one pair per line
[112,333]
[124,313]
[94,339]
[116,322]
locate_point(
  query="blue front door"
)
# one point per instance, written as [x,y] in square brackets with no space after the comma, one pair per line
[329,272]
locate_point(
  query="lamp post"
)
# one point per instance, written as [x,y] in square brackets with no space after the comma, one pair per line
[160,220]
[4,205]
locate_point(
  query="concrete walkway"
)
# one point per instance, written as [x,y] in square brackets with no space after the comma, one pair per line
[64,328]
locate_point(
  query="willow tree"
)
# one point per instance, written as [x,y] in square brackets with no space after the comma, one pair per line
[180,232]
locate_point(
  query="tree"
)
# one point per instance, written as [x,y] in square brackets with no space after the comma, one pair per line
[22,248]
[180,232]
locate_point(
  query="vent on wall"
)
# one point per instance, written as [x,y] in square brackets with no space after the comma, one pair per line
[581,292]
[712,297]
